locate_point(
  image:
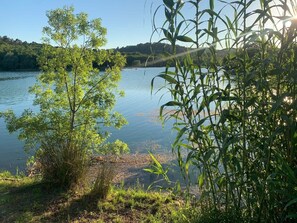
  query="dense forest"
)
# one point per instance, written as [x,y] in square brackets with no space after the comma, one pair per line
[17,55]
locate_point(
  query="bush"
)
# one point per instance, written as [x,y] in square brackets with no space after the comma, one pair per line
[104,179]
[64,166]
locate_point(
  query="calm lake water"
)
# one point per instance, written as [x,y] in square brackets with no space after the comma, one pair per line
[141,108]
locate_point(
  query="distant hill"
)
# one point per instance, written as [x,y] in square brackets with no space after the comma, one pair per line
[148,54]
[151,48]
[16,55]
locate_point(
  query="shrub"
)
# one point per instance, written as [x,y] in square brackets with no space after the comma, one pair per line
[73,97]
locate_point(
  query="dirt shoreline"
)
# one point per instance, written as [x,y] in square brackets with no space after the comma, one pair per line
[129,169]
[126,170]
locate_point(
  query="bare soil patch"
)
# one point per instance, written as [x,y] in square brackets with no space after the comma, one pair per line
[129,169]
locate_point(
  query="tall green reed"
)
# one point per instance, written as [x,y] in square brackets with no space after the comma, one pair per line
[234,102]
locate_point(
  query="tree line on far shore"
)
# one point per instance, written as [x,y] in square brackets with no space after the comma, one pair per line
[17,55]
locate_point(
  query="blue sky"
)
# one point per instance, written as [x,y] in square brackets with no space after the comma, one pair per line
[128,22]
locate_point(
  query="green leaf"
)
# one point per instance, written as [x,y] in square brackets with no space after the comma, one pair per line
[167,14]
[211,5]
[156,162]
[167,34]
[228,141]
[149,170]
[164,76]
[207,155]
[291,216]
[185,39]
[169,104]
[179,135]
[294,201]
[169,3]
[201,121]
[201,180]
[231,26]
[168,78]
[157,168]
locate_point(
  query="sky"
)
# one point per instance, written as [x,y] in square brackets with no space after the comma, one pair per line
[128,22]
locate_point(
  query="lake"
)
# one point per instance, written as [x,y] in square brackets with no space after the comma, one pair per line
[141,108]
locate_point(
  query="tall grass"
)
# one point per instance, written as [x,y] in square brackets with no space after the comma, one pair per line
[103,182]
[63,163]
[234,102]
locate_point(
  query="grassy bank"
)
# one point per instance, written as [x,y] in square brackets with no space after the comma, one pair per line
[25,199]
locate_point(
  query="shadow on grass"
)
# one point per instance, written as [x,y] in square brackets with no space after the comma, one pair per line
[37,202]
[29,200]
[74,209]
[24,202]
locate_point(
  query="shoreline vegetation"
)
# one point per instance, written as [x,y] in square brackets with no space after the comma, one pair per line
[128,199]
[127,168]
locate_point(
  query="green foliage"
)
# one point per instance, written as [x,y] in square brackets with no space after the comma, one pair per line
[235,118]
[18,55]
[5,174]
[73,97]
[157,168]
[214,215]
[116,148]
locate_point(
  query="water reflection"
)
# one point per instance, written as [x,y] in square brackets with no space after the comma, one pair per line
[144,131]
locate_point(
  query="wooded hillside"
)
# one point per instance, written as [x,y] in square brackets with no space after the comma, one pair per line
[17,55]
